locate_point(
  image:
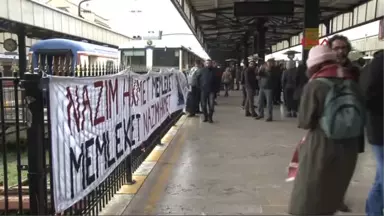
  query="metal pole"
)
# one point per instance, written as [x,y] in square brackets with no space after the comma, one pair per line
[35,142]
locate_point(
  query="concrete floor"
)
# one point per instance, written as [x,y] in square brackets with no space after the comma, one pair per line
[235,166]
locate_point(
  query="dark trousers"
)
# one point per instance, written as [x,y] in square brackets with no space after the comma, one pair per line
[244,95]
[208,103]
[290,101]
[277,94]
[226,88]
[195,100]
[250,95]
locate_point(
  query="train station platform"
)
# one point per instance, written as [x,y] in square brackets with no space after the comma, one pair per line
[236,165]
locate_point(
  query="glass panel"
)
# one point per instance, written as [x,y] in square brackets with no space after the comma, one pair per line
[134,52]
[380,8]
[371,9]
[273,48]
[362,13]
[193,21]
[334,24]
[355,13]
[340,22]
[346,20]
[187,11]
[165,57]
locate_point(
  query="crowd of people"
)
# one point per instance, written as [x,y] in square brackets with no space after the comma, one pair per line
[335,100]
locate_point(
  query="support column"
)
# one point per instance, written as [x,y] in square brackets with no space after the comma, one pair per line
[238,54]
[311,26]
[255,45]
[22,52]
[261,43]
[245,48]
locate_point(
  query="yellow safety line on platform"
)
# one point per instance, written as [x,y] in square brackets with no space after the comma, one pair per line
[154,156]
[157,190]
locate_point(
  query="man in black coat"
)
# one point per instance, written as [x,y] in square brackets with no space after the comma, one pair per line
[208,87]
[371,81]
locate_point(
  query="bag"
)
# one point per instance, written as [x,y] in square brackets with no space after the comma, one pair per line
[294,164]
[344,115]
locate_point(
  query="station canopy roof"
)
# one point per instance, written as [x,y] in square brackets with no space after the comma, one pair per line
[222,30]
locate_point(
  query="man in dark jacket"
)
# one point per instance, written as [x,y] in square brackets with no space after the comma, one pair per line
[208,85]
[372,86]
[288,82]
[250,84]
[266,89]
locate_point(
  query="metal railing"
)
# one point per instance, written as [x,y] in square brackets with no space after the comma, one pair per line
[25,183]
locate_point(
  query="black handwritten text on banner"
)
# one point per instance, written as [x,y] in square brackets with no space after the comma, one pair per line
[97,121]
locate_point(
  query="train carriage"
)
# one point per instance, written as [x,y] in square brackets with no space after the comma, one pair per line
[154,55]
[53,52]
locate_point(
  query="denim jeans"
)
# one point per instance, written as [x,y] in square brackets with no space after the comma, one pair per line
[266,95]
[207,103]
[375,202]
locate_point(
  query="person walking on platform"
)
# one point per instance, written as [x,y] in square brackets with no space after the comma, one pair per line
[226,79]
[329,153]
[208,83]
[372,85]
[250,83]
[288,81]
[266,90]
[195,91]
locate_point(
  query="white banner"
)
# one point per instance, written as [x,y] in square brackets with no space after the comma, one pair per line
[97,121]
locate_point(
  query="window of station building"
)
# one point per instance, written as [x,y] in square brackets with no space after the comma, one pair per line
[361,13]
[347,20]
[379,8]
[354,15]
[165,57]
[340,22]
[136,58]
[371,10]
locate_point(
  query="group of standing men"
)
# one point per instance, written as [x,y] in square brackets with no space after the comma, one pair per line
[265,81]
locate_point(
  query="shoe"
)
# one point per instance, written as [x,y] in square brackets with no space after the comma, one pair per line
[255,115]
[294,115]
[205,120]
[210,120]
[247,114]
[268,119]
[259,117]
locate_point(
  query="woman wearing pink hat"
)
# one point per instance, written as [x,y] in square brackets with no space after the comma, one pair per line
[328,156]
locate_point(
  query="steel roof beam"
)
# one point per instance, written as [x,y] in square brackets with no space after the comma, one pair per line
[228,32]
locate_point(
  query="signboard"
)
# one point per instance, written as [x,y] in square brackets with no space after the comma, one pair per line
[97,121]
[311,38]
